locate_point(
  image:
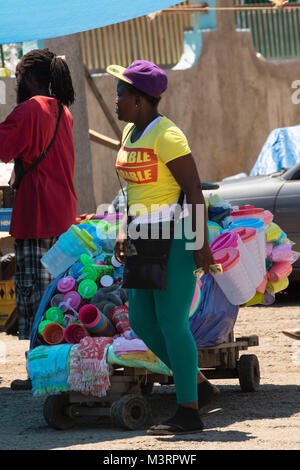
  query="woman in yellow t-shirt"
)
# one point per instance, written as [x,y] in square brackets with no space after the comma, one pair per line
[156,162]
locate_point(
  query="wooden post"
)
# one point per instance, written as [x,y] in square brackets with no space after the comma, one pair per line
[104,140]
[102,103]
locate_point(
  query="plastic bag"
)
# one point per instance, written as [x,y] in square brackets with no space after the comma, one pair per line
[280,150]
[215,316]
[294,257]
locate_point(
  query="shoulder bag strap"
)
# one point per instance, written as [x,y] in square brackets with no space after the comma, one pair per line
[123,140]
[38,160]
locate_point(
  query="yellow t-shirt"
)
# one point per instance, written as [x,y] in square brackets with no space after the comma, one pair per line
[142,164]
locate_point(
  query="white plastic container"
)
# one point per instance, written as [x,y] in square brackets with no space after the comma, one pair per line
[67,250]
[233,239]
[235,281]
[250,254]
[260,239]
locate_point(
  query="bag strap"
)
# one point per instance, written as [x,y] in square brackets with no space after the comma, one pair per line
[38,160]
[123,140]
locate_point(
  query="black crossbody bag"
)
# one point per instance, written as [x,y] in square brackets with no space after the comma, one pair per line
[19,172]
[146,259]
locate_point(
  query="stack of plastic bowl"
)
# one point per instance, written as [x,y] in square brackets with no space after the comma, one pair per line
[74,332]
[95,321]
[67,250]
[234,282]
[246,212]
[260,239]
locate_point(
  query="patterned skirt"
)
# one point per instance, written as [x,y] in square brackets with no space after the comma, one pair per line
[31,280]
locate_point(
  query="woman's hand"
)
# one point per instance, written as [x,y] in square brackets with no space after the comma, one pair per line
[204,258]
[119,247]
[119,243]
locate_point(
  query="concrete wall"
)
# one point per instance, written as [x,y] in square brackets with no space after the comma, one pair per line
[227,104]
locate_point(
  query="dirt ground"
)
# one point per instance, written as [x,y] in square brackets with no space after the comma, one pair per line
[266,419]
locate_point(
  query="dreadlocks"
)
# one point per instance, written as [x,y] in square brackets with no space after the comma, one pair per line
[51,72]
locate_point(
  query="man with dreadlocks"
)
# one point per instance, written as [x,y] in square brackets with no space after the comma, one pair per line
[45,202]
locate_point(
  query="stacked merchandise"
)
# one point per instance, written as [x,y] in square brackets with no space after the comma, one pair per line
[256,258]
[279,260]
[255,254]
[82,327]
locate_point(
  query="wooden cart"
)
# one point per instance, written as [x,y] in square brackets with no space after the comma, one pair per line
[126,400]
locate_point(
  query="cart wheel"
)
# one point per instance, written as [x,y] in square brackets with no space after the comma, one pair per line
[55,412]
[249,374]
[130,412]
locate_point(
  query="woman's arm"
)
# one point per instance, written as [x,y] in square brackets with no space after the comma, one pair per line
[186,174]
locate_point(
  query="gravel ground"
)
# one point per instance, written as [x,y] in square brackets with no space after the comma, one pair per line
[266,419]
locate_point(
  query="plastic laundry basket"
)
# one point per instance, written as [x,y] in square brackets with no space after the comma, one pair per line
[235,281]
[233,239]
[260,239]
[254,262]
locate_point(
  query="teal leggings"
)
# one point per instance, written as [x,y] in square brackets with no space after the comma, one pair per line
[161,319]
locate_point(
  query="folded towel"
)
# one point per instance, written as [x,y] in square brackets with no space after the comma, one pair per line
[48,368]
[147,356]
[122,345]
[89,370]
[157,367]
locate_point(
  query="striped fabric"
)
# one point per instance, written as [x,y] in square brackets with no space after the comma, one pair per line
[31,280]
[159,39]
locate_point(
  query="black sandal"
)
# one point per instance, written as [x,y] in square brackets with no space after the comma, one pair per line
[19,384]
[185,421]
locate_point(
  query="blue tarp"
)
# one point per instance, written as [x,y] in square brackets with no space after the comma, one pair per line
[26,20]
[281,150]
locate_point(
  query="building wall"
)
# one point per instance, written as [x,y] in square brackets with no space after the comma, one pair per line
[227,104]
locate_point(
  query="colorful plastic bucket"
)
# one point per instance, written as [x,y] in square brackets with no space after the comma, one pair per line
[74,333]
[95,322]
[53,333]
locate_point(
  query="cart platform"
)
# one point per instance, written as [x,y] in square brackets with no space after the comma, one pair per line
[126,402]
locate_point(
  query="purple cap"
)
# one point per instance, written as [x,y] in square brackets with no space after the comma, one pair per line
[143,75]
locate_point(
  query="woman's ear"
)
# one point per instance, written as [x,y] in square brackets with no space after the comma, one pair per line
[138,101]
